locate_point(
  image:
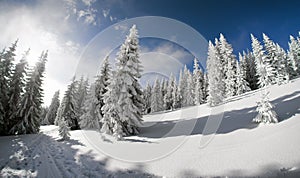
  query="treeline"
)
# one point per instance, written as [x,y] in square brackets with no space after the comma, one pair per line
[226,76]
[21,95]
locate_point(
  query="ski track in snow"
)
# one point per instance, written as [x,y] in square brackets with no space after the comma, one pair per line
[44,155]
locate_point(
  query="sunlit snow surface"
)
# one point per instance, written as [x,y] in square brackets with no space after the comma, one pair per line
[170,146]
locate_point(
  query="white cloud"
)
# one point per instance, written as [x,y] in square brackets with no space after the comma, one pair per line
[163,59]
[105,13]
[123,28]
[37,30]
[89,16]
[88,2]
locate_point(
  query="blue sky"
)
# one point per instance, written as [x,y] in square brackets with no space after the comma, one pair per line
[235,19]
[68,29]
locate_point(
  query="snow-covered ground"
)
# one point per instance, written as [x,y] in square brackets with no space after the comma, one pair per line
[192,142]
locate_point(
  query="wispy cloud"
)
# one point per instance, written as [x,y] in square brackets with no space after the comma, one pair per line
[105,12]
[32,31]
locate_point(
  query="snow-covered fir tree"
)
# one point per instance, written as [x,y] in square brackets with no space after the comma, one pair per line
[271,57]
[111,120]
[68,107]
[182,83]
[81,94]
[263,67]
[102,81]
[6,70]
[175,96]
[187,88]
[198,80]
[64,129]
[147,98]
[205,87]
[16,89]
[129,96]
[241,83]
[282,66]
[228,59]
[51,114]
[248,65]
[293,58]
[43,113]
[168,98]
[156,97]
[216,89]
[266,114]
[91,116]
[31,101]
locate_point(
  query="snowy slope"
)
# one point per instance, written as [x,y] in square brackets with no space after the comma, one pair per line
[191,142]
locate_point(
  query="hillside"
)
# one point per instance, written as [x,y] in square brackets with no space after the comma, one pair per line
[191,142]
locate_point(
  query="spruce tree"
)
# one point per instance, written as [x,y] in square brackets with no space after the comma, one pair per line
[241,83]
[81,94]
[247,64]
[101,83]
[293,58]
[6,70]
[168,98]
[263,68]
[198,80]
[266,114]
[16,89]
[271,58]
[129,96]
[29,110]
[67,111]
[111,120]
[228,61]
[216,90]
[282,66]
[64,129]
[147,98]
[51,114]
[91,116]
[156,97]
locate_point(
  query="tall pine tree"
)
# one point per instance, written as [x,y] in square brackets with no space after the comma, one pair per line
[6,70]
[31,101]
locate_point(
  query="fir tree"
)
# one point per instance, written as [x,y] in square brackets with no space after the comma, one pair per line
[64,129]
[128,72]
[293,58]
[198,80]
[147,98]
[6,70]
[16,89]
[215,77]
[187,88]
[241,83]
[168,98]
[110,109]
[51,114]
[156,97]
[102,81]
[263,68]
[175,96]
[266,114]
[247,64]
[271,58]
[81,94]
[282,66]
[68,110]
[30,108]
[228,60]
[91,116]
[129,96]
